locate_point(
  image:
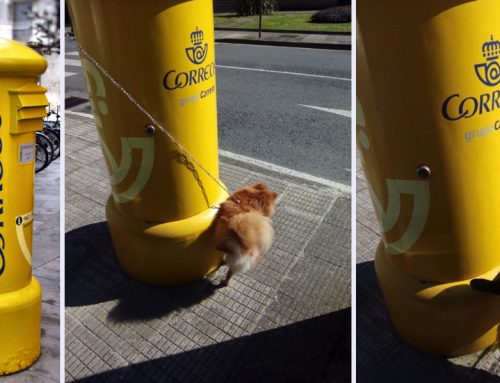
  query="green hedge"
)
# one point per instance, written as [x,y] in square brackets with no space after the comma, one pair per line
[340,14]
[251,7]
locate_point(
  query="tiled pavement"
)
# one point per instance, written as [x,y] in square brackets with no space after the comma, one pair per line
[46,246]
[288,320]
[381,356]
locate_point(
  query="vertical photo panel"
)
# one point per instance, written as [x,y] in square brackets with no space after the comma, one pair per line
[30,191]
[428,264]
[208,191]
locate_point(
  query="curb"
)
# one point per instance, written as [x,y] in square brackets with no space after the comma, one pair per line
[256,30]
[285,43]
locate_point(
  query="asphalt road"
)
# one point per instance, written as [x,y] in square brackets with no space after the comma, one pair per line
[282,105]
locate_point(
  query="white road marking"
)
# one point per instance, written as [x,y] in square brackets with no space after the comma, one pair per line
[265,165]
[78,63]
[341,112]
[284,72]
[282,170]
[74,53]
[69,74]
[73,62]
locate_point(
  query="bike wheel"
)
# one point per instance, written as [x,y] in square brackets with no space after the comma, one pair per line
[41,158]
[54,138]
[43,140]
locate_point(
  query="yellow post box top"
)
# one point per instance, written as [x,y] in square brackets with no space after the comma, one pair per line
[17,59]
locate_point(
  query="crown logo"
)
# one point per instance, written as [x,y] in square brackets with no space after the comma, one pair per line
[491,49]
[198,52]
[196,37]
[489,72]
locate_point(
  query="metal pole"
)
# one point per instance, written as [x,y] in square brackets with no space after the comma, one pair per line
[260,19]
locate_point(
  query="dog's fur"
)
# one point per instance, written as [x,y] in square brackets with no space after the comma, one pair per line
[243,229]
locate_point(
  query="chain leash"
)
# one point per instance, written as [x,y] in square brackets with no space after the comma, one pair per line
[155,123]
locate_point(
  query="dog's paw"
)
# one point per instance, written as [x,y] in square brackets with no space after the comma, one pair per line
[222,283]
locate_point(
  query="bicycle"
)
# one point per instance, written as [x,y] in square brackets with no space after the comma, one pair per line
[41,158]
[49,120]
[51,129]
[53,135]
[44,141]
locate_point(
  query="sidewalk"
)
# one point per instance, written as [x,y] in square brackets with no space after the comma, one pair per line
[286,320]
[381,355]
[288,38]
[46,269]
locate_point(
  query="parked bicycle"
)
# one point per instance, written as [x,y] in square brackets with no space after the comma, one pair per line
[41,158]
[53,119]
[53,136]
[48,141]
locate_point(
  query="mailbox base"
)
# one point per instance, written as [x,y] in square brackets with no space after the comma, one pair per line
[20,315]
[446,319]
[170,253]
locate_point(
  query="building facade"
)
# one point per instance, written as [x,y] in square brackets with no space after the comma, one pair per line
[17,17]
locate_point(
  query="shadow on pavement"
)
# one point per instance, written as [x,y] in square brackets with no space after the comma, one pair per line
[313,350]
[93,276]
[377,343]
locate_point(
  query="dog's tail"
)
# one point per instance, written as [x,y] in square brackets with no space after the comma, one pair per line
[251,231]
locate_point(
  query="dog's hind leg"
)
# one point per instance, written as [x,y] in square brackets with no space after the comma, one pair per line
[225,282]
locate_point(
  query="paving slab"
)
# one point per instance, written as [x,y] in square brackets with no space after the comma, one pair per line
[380,355]
[46,258]
[286,320]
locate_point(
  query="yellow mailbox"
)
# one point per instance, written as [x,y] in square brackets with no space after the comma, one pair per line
[428,132]
[162,53]
[22,107]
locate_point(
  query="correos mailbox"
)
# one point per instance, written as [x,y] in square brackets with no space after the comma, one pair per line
[22,107]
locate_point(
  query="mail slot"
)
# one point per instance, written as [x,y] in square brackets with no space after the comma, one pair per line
[28,106]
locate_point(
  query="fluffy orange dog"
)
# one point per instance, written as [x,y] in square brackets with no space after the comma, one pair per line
[243,229]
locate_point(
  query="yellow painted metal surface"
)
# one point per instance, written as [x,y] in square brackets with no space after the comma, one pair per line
[22,104]
[428,93]
[162,52]
[170,253]
[20,315]
[446,319]
[17,59]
